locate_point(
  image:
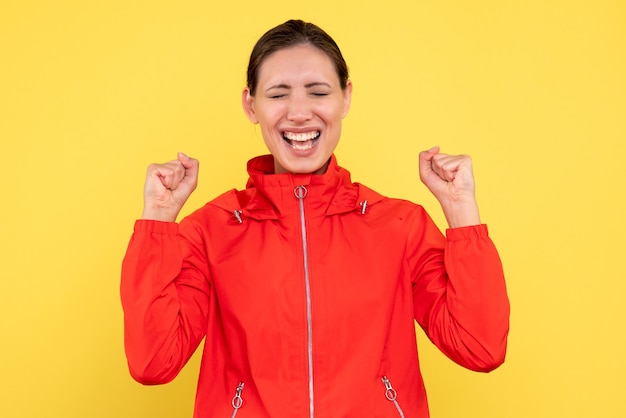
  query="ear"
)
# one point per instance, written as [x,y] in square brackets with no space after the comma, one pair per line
[347,98]
[247,101]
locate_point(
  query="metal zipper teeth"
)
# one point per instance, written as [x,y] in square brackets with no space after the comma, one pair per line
[301,193]
[237,401]
[392,395]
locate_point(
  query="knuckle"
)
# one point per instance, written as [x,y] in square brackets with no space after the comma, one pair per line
[154,168]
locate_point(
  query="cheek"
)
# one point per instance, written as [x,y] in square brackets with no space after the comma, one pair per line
[335,113]
[269,137]
[269,116]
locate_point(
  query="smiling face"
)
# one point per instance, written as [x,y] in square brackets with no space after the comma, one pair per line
[299,104]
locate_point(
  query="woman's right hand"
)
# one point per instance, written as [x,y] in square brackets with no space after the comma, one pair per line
[167,188]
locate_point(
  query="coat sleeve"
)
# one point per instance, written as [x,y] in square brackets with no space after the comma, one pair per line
[165,297]
[459,293]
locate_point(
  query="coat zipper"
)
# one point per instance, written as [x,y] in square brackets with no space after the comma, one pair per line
[237,401]
[301,193]
[391,395]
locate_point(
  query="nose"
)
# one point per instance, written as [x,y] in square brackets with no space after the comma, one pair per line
[299,110]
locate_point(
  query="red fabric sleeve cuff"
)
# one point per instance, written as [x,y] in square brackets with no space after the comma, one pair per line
[156,227]
[467,232]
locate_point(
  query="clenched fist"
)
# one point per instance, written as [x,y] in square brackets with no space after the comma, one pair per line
[168,186]
[451,180]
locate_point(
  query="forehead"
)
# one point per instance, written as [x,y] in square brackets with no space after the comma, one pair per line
[298,64]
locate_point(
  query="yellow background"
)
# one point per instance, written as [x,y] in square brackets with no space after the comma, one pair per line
[93,91]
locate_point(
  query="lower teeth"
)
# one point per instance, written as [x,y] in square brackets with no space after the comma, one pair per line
[302,146]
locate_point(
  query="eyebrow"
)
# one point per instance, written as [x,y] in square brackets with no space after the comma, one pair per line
[318,84]
[308,86]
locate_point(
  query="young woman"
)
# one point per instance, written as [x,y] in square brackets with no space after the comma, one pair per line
[306,285]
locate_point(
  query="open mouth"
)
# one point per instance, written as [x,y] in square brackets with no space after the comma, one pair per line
[301,141]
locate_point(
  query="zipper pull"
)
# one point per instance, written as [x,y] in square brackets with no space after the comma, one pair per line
[237,401]
[390,392]
[300,192]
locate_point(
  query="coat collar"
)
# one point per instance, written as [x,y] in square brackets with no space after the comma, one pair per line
[271,196]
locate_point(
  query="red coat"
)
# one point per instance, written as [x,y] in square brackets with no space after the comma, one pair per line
[307,297]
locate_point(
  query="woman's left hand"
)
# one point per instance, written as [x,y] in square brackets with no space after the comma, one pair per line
[451,180]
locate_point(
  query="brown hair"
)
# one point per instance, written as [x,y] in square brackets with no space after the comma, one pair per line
[292,33]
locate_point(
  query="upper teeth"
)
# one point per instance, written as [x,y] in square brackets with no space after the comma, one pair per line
[301,137]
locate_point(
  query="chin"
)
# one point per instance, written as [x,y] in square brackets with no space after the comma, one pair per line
[308,167]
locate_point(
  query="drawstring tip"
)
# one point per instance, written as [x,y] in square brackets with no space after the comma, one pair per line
[363,205]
